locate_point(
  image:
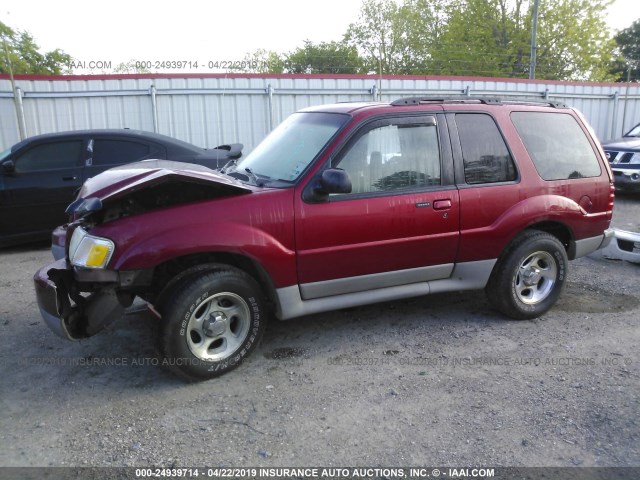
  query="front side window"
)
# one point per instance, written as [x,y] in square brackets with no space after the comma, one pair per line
[50,156]
[557,145]
[486,157]
[393,157]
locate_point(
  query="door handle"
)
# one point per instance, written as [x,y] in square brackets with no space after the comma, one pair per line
[69,179]
[442,204]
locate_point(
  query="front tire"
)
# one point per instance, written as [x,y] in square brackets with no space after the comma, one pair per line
[212,323]
[529,276]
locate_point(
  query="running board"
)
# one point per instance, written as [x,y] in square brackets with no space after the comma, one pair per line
[465,276]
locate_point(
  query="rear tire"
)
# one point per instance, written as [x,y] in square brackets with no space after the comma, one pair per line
[212,323]
[529,276]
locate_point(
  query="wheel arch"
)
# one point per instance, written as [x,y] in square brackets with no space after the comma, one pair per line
[559,230]
[172,272]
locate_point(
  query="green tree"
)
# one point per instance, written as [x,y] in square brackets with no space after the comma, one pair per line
[574,41]
[324,57]
[262,61]
[627,65]
[424,23]
[483,37]
[493,37]
[24,55]
[381,36]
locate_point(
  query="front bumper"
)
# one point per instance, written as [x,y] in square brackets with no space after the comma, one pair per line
[48,303]
[68,313]
[626,178]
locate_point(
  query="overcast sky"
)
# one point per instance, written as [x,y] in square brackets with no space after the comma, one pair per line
[203,31]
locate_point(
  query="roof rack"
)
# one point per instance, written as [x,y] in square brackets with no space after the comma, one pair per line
[466,99]
[455,99]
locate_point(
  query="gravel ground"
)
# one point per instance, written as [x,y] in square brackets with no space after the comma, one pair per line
[440,380]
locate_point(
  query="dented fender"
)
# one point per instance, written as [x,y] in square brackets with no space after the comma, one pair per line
[261,229]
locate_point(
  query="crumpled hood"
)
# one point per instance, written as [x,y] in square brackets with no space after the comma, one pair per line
[624,143]
[126,179]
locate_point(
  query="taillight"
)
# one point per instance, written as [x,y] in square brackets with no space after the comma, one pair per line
[612,195]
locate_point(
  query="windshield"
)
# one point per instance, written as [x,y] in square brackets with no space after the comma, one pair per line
[634,132]
[291,147]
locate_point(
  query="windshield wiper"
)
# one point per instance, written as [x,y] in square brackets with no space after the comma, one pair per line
[254,177]
[228,165]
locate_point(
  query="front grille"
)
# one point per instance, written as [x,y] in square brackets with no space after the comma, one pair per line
[626,158]
[618,157]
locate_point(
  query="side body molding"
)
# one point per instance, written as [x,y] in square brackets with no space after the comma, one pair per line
[292,302]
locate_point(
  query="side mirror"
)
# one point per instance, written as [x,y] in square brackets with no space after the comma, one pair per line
[8,167]
[334,180]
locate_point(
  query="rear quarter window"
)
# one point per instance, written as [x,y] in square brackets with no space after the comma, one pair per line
[116,152]
[559,148]
[485,154]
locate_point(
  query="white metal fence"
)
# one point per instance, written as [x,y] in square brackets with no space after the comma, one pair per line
[215,109]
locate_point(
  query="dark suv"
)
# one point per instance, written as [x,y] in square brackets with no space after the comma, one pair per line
[341,205]
[624,156]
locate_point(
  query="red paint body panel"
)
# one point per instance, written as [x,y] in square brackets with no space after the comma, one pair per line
[259,226]
[373,235]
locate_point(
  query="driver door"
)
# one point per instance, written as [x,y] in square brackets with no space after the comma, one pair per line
[399,224]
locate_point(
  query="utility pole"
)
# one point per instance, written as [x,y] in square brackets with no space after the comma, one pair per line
[534,47]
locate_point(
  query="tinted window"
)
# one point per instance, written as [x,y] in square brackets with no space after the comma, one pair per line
[50,156]
[486,157]
[557,145]
[115,152]
[393,157]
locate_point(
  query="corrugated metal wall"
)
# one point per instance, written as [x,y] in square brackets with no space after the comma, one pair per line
[215,109]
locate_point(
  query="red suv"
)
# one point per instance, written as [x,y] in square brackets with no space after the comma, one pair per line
[341,205]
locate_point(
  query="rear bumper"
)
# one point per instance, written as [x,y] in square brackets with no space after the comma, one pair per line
[586,246]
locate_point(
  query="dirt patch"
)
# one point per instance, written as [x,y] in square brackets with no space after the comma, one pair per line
[590,298]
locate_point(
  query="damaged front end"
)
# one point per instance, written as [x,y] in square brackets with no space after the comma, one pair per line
[79,295]
[69,313]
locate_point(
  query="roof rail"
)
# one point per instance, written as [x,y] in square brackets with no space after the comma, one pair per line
[454,99]
[466,99]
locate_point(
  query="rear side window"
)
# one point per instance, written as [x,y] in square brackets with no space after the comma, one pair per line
[557,145]
[116,152]
[486,157]
[50,156]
